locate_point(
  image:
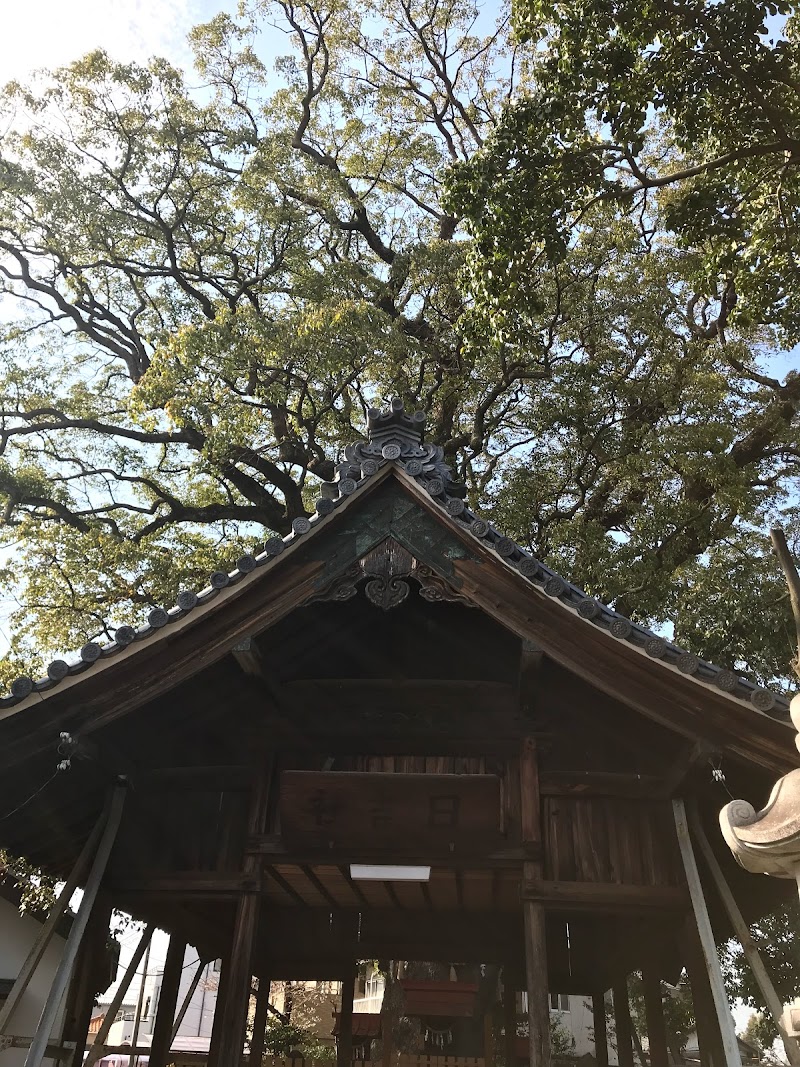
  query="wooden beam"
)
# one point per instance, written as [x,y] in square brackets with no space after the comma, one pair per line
[533,912]
[167,1000]
[599,1026]
[272,847]
[622,1023]
[213,778]
[601,784]
[742,931]
[185,884]
[706,936]
[604,896]
[692,757]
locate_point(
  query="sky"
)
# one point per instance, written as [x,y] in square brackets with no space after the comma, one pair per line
[127,29]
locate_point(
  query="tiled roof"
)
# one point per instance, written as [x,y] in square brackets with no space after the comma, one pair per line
[395,437]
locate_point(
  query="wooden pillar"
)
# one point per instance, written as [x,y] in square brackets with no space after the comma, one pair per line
[344,1049]
[712,1051]
[599,1025]
[260,1022]
[654,1009]
[83,984]
[167,1001]
[509,1017]
[234,1004]
[488,1040]
[622,1023]
[216,1026]
[705,936]
[533,912]
[387,1047]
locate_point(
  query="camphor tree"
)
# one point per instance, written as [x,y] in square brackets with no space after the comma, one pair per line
[212,282]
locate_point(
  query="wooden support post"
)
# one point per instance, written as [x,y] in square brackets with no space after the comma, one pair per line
[712,1051]
[78,928]
[187,1000]
[742,931]
[599,1026]
[96,1051]
[83,983]
[622,1023]
[48,929]
[488,1040]
[654,1010]
[167,999]
[259,1023]
[235,1003]
[344,1049]
[387,1044]
[216,1027]
[139,1003]
[706,936]
[509,1017]
[533,913]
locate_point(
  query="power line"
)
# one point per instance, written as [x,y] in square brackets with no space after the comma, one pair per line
[33,796]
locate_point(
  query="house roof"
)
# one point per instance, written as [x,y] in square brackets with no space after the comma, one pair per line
[365,1024]
[396,439]
[439,999]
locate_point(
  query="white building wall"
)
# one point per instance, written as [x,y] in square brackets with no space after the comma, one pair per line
[17,934]
[194,1032]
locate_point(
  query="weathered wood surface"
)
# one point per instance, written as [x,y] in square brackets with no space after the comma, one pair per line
[599,1027]
[259,1023]
[348,808]
[654,1011]
[610,840]
[167,1002]
[622,1023]
[706,939]
[607,896]
[536,970]
[344,1044]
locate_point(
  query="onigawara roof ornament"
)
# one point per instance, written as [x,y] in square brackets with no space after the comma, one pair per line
[395,436]
[768,841]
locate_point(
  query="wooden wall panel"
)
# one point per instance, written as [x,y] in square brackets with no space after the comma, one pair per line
[607,839]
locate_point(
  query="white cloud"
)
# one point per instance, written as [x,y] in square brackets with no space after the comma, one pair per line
[46,33]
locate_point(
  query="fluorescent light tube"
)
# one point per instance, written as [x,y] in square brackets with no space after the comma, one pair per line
[385,872]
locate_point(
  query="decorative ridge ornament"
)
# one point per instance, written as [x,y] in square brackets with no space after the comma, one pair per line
[768,841]
[396,437]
